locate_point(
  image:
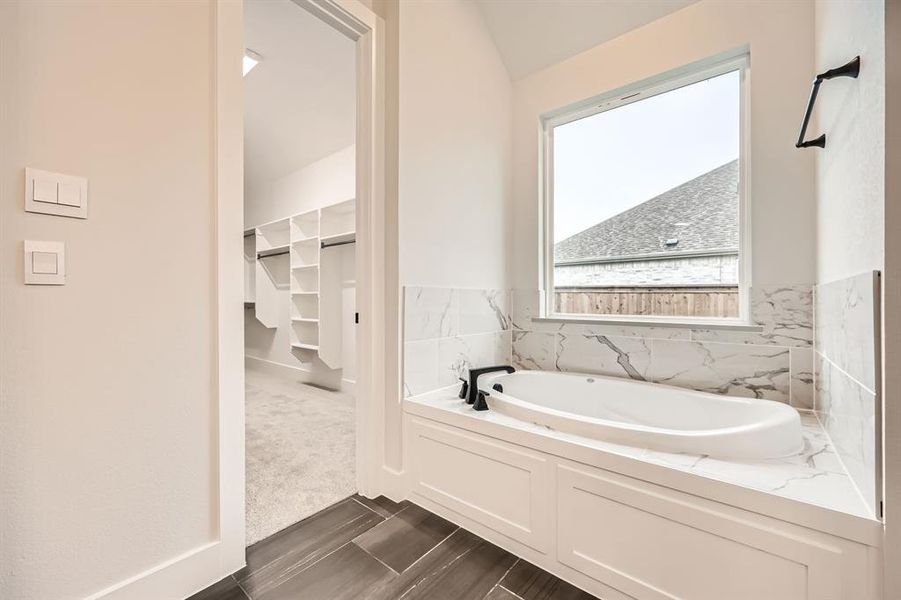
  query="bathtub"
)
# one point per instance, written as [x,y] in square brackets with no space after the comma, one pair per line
[647,415]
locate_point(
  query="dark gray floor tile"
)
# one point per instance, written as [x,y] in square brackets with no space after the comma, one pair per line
[463,567]
[227,589]
[346,574]
[404,538]
[531,583]
[276,558]
[382,505]
[499,593]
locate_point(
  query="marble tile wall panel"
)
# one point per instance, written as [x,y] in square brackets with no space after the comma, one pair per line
[431,313]
[846,326]
[733,369]
[848,413]
[802,389]
[534,350]
[446,331]
[785,312]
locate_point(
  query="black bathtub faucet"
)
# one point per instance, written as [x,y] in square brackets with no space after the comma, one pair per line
[470,389]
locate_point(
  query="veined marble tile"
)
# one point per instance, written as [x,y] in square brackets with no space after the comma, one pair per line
[846,327]
[524,304]
[431,313]
[802,378]
[457,355]
[420,367]
[484,311]
[785,312]
[730,369]
[534,350]
[847,411]
[650,332]
[616,356]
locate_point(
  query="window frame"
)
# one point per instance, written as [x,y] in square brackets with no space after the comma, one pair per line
[635,92]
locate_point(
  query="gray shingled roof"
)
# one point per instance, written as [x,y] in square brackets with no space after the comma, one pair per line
[702,214]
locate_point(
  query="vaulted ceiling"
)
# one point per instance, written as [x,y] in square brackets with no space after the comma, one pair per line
[534,34]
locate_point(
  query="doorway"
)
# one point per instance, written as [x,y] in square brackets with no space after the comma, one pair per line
[299,81]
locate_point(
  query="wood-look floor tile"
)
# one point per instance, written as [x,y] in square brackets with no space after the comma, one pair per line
[382,505]
[281,556]
[463,567]
[227,589]
[346,574]
[499,593]
[406,537]
[531,583]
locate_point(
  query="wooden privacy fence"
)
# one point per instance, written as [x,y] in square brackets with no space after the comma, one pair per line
[700,301]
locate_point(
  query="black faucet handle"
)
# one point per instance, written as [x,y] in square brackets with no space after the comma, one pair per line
[481,403]
[464,391]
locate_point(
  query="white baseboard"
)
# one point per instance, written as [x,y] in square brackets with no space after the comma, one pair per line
[395,484]
[174,579]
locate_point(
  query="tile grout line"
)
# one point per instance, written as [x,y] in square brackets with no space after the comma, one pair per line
[447,537]
[514,594]
[389,567]
[501,578]
[294,573]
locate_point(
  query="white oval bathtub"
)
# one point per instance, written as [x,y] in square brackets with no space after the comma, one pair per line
[647,415]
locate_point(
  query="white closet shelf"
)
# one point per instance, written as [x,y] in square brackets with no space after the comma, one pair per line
[304,293]
[347,236]
[300,346]
[304,320]
[305,240]
[301,267]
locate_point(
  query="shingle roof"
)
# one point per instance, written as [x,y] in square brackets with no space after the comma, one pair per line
[702,214]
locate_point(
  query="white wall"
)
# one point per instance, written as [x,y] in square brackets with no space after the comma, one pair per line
[107,414]
[850,175]
[780,37]
[454,144]
[324,182]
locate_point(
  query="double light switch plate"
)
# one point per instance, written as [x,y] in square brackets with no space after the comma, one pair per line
[56,194]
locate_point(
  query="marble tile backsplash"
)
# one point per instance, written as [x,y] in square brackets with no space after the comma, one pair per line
[846,372]
[775,363]
[448,330]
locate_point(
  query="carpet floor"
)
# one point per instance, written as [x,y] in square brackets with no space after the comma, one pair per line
[299,451]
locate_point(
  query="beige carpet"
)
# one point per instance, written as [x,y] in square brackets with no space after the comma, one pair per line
[299,454]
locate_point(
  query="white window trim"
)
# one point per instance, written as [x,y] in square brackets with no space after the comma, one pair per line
[693,73]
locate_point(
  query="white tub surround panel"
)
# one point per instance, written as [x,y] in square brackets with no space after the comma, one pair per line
[448,330]
[588,510]
[774,363]
[845,325]
[847,394]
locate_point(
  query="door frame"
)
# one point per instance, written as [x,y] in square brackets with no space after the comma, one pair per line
[367,31]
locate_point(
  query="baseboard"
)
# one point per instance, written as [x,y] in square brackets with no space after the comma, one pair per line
[174,579]
[330,379]
[395,484]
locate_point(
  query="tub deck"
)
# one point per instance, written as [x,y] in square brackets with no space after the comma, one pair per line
[814,477]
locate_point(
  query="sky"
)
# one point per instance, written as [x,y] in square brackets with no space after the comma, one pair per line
[609,162]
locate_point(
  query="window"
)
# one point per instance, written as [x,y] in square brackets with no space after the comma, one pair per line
[645,202]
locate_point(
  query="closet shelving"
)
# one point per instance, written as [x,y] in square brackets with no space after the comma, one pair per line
[297,254]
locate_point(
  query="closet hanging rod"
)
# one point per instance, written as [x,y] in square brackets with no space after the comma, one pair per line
[325,245]
[850,69]
[269,253]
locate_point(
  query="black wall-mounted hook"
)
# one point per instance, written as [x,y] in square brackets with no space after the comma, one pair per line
[851,69]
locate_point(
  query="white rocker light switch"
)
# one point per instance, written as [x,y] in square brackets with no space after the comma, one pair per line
[45,263]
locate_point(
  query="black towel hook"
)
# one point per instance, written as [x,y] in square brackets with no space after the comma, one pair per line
[851,69]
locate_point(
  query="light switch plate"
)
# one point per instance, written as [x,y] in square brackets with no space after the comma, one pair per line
[56,194]
[45,263]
